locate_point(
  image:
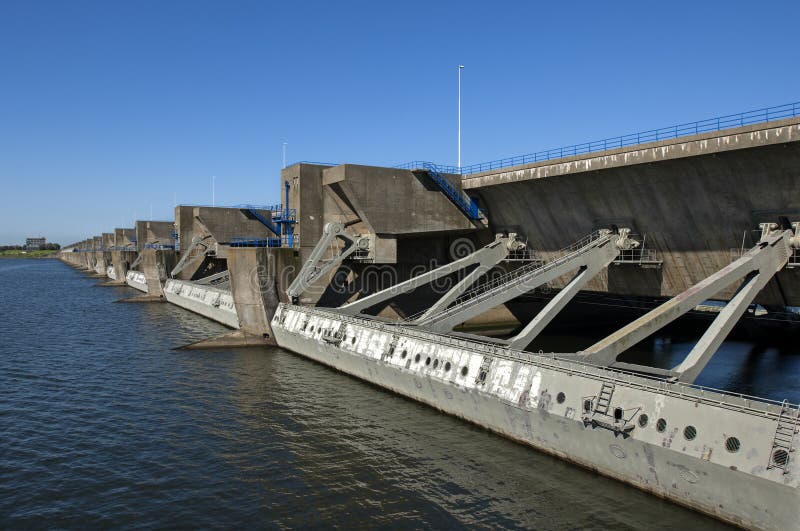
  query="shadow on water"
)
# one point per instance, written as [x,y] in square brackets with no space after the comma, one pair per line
[104,425]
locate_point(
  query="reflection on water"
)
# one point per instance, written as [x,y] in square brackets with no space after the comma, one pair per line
[752,368]
[105,425]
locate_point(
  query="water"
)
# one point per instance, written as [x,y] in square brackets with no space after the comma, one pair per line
[103,424]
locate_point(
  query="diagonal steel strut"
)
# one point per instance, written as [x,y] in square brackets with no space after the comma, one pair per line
[317,265]
[756,268]
[593,252]
[485,258]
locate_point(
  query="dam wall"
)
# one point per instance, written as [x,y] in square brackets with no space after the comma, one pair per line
[697,201]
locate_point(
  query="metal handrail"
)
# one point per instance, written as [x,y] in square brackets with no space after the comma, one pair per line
[767,114]
[464,202]
[553,361]
[285,240]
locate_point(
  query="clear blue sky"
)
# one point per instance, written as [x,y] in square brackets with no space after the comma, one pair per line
[109,107]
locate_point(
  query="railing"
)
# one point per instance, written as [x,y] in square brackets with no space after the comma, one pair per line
[737,401]
[276,211]
[523,255]
[422,164]
[768,114]
[314,163]
[159,246]
[287,240]
[465,203]
[642,255]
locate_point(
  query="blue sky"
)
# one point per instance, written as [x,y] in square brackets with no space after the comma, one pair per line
[109,109]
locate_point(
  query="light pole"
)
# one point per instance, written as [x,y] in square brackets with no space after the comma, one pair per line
[284,154]
[213,190]
[460,67]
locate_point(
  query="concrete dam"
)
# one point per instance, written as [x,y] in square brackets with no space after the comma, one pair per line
[434,282]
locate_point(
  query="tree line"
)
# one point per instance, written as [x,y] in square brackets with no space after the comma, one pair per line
[45,247]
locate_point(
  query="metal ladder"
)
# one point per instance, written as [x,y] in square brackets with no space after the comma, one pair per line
[784,437]
[604,399]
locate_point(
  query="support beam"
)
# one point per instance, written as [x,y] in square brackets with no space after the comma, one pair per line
[704,350]
[186,257]
[316,266]
[485,258]
[756,267]
[598,248]
[557,303]
[136,262]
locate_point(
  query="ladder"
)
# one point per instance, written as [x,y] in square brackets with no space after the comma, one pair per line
[604,399]
[783,440]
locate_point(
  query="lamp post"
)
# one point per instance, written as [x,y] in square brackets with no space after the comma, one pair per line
[460,67]
[213,190]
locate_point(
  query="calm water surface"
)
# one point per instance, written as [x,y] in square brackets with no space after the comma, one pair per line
[104,425]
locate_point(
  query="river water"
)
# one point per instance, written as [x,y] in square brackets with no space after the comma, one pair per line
[104,425]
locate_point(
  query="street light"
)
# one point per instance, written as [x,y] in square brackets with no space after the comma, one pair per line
[460,67]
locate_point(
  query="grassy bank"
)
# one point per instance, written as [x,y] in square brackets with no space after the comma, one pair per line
[27,254]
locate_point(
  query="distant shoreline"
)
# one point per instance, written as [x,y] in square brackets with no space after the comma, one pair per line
[28,254]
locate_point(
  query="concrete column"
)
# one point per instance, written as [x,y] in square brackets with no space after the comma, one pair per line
[121,260]
[259,278]
[256,277]
[156,264]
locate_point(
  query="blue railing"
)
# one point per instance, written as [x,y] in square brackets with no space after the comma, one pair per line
[768,114]
[422,164]
[159,246]
[314,163]
[287,240]
[465,203]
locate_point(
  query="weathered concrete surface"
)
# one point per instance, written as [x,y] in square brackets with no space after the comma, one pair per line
[390,201]
[305,196]
[221,223]
[124,238]
[212,302]
[153,232]
[694,198]
[259,278]
[217,226]
[156,264]
[122,260]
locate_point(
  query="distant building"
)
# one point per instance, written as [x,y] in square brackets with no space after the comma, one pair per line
[34,244]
